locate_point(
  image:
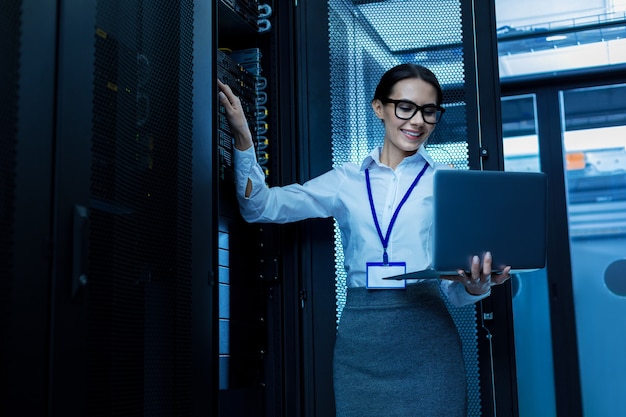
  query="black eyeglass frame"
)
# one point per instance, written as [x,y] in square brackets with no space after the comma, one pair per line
[417,108]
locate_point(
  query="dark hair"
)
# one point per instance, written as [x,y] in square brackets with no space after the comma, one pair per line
[404,71]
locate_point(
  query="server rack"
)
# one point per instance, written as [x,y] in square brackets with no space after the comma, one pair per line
[107,305]
[259,288]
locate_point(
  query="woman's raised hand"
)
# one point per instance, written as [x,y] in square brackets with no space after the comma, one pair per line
[236,117]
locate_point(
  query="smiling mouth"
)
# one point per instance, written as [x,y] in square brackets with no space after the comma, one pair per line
[412,134]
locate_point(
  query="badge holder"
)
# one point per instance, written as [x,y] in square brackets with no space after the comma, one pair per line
[377,271]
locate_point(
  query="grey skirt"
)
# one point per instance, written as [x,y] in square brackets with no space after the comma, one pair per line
[398,354]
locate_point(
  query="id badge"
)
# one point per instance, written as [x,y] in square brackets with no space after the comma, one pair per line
[376,271]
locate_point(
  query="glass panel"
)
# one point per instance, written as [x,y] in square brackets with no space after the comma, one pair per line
[531,310]
[548,52]
[546,37]
[594,140]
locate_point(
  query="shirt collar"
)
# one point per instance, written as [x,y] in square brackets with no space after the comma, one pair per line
[420,155]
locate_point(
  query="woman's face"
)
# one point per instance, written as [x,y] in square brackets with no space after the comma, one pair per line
[404,137]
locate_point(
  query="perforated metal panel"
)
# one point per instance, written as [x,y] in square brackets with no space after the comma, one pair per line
[139,331]
[366,39]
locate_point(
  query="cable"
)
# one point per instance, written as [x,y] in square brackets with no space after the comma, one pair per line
[480,133]
[493,375]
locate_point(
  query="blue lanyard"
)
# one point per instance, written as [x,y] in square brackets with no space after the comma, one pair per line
[385,240]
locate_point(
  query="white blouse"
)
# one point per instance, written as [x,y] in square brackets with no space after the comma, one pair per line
[342,193]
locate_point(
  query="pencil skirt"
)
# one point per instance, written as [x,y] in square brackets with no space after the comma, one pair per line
[398,354]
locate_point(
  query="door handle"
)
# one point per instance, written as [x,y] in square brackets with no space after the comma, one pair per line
[80,246]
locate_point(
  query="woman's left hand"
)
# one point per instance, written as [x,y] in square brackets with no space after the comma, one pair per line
[480,279]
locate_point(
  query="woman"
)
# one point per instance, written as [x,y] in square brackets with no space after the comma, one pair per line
[397,351]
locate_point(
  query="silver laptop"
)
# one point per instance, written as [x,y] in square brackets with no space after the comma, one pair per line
[479,211]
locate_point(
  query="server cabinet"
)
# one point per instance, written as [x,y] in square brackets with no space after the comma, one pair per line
[260,294]
[124,190]
[107,287]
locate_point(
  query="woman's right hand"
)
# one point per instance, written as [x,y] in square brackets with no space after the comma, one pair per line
[236,117]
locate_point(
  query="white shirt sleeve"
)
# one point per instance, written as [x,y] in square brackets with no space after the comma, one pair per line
[313,199]
[246,168]
[458,295]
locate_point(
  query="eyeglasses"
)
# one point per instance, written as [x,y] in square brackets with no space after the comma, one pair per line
[405,110]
